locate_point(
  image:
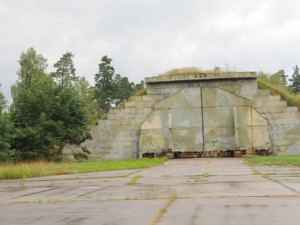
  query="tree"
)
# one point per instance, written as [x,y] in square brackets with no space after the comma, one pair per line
[6,134]
[140,86]
[123,89]
[69,112]
[32,66]
[86,92]
[295,80]
[65,71]
[104,85]
[29,113]
[275,79]
[283,76]
[47,115]
[263,76]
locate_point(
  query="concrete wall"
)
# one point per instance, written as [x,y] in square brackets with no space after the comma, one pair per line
[284,122]
[207,120]
[118,137]
[242,84]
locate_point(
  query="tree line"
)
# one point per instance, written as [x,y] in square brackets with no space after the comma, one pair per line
[281,78]
[50,110]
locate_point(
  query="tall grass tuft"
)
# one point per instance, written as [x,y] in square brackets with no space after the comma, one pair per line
[39,169]
[290,160]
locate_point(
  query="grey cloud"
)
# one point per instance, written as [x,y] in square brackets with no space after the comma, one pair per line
[146,37]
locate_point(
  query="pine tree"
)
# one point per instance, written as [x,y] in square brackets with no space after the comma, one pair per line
[295,80]
[104,87]
[283,76]
[6,134]
[65,71]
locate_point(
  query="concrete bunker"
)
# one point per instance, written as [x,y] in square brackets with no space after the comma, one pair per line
[197,115]
[204,122]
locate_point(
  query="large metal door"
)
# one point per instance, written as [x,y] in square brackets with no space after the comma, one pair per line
[198,122]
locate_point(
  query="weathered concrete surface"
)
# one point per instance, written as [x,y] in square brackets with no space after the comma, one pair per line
[284,122]
[208,120]
[209,191]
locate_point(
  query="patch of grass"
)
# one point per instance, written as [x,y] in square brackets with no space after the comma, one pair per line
[192,70]
[39,169]
[206,174]
[134,180]
[163,210]
[290,161]
[142,91]
[256,172]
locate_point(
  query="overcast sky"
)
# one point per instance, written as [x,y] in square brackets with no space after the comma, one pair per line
[148,37]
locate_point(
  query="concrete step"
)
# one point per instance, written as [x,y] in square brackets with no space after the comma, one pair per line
[275,104]
[263,92]
[286,115]
[274,97]
[292,109]
[284,121]
[266,98]
[273,109]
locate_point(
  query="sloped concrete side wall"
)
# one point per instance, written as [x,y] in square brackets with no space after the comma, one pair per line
[118,136]
[284,122]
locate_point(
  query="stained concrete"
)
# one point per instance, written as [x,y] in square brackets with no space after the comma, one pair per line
[207,120]
[209,191]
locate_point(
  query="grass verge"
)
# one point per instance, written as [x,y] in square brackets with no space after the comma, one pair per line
[39,169]
[291,160]
[134,179]
[162,211]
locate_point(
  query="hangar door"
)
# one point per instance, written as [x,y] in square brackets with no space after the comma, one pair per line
[204,122]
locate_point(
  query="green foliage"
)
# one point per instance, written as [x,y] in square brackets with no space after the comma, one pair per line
[29,114]
[47,115]
[83,155]
[104,85]
[69,113]
[292,99]
[3,102]
[134,180]
[39,169]
[283,76]
[65,71]
[86,92]
[295,80]
[276,79]
[32,66]
[140,86]
[291,160]
[6,133]
[263,76]
[112,88]
[141,91]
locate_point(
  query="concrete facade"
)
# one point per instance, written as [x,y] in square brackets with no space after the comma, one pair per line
[226,110]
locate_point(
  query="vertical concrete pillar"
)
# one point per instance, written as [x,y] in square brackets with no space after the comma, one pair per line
[170,129]
[236,129]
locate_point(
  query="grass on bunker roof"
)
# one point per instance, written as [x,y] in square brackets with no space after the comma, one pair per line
[192,70]
[39,169]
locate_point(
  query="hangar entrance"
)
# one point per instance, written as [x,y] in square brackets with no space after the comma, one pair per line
[204,122]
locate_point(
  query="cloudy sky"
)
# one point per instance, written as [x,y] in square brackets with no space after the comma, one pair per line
[147,37]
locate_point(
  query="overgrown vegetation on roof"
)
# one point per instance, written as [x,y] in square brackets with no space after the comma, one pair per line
[282,90]
[194,70]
